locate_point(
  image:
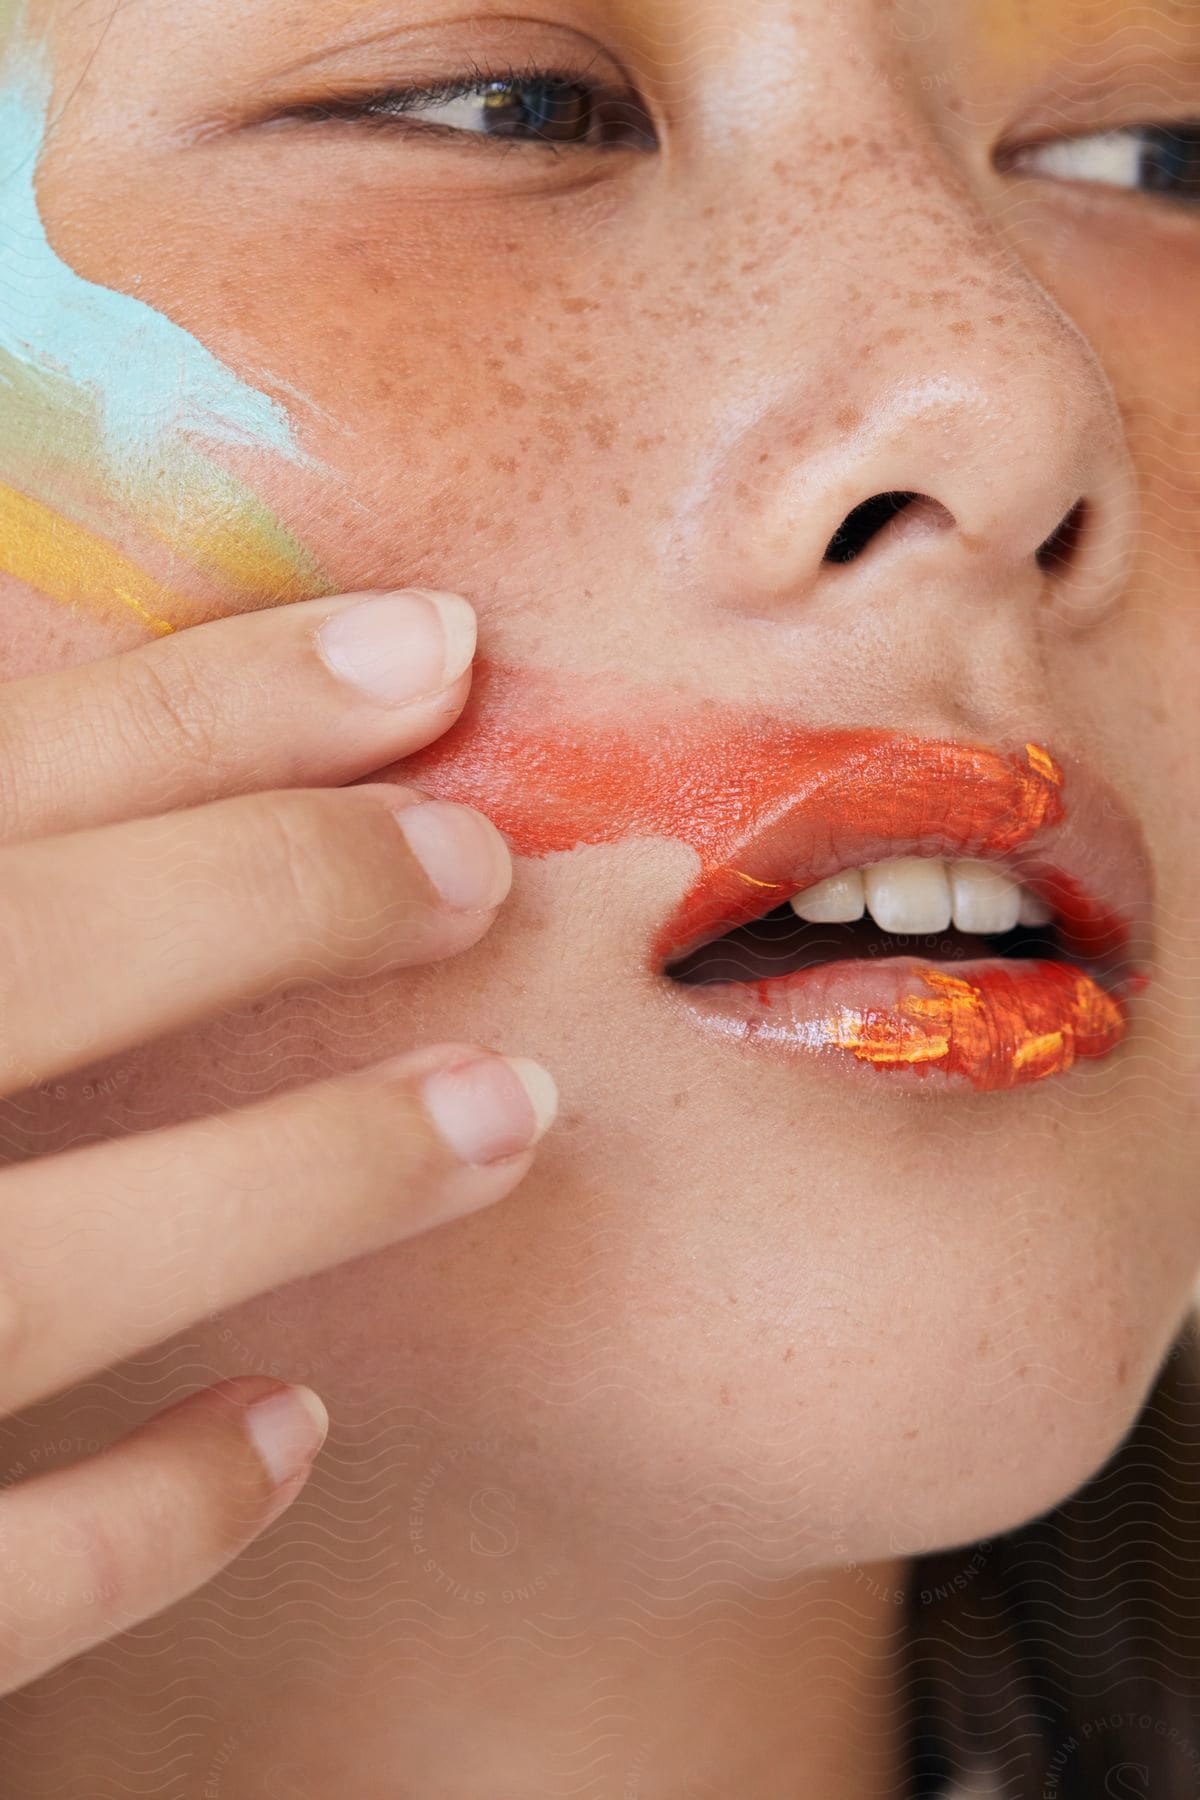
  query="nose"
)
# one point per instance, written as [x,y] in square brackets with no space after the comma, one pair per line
[968,438]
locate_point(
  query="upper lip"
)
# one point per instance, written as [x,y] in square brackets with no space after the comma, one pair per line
[1045,817]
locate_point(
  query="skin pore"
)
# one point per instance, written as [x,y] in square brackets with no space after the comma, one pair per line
[622,1478]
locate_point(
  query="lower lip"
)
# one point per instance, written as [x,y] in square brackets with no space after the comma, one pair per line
[993,1024]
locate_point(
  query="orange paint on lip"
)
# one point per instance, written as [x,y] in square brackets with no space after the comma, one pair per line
[1000,1027]
[756,797]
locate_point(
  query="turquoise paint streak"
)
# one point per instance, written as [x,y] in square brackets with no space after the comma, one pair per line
[149,380]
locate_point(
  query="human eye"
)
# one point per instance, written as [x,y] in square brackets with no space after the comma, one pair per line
[1163,160]
[552,108]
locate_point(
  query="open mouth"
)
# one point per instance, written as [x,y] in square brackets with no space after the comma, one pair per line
[997,967]
[960,971]
[904,907]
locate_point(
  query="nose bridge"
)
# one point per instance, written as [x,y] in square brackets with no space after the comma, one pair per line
[919,358]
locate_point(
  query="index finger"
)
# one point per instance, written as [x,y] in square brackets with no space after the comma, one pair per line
[316,693]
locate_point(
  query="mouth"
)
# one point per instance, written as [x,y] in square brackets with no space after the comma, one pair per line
[928,908]
[772,810]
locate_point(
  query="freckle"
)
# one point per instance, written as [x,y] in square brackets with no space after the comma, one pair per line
[997,318]
[603,433]
[895,335]
[963,328]
[910,1435]
[789,1353]
[579,305]
[511,394]
[678,1100]
[514,346]
[725,1400]
[624,497]
[533,497]
[984,1345]
[848,418]
[506,465]
[1122,1372]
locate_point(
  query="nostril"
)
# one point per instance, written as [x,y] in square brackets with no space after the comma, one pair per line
[1062,546]
[864,523]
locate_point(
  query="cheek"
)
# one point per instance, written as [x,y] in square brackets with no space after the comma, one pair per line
[1105,263]
[482,395]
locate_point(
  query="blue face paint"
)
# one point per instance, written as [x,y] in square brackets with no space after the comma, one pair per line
[103,398]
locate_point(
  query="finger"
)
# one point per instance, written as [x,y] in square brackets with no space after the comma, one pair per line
[313,694]
[90,1550]
[111,937]
[110,1249]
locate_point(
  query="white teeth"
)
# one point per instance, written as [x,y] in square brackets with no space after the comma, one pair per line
[914,896]
[986,901]
[910,897]
[1034,911]
[838,901]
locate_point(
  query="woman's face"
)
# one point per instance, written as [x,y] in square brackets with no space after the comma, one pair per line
[866,1233]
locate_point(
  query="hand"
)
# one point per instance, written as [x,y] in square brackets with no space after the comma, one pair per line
[174,839]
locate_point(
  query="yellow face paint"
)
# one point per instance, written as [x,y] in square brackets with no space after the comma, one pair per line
[67,563]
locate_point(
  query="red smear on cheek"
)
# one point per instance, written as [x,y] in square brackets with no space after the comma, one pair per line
[715,782]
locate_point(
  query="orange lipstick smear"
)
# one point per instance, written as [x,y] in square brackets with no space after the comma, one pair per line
[723,786]
[999,1029]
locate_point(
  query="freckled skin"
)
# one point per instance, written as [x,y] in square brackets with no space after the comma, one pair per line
[625,416]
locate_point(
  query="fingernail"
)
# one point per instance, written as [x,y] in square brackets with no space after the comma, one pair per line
[462,853]
[396,648]
[491,1107]
[287,1429]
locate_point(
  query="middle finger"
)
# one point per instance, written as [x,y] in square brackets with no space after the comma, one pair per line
[111,937]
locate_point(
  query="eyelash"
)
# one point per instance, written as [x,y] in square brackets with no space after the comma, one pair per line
[570,99]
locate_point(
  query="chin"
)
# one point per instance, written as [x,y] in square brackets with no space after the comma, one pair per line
[790,1382]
